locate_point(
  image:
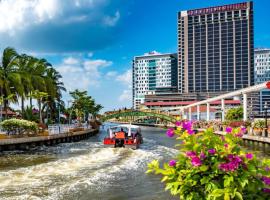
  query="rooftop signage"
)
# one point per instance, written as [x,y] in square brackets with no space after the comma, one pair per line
[216,9]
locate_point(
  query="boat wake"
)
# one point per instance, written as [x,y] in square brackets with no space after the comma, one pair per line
[80,168]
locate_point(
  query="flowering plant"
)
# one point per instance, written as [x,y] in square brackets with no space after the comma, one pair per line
[19,126]
[210,166]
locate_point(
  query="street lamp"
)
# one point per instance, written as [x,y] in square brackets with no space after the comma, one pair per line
[266,127]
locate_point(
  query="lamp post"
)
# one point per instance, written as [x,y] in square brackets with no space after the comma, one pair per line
[266,127]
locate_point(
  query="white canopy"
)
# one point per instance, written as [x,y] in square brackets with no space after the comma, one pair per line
[127,126]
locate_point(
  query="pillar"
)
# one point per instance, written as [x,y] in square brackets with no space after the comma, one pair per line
[223,109]
[189,111]
[245,107]
[198,112]
[207,111]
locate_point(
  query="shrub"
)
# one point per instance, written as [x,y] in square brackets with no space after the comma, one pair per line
[19,126]
[234,114]
[213,167]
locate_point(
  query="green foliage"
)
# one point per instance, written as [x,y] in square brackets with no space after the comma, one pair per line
[22,76]
[19,126]
[29,115]
[83,104]
[213,167]
[259,124]
[234,114]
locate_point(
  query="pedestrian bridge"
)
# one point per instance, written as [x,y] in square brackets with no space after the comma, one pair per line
[139,113]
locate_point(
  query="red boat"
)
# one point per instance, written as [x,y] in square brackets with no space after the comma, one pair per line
[128,136]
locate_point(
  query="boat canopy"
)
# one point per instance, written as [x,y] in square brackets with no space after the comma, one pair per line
[129,127]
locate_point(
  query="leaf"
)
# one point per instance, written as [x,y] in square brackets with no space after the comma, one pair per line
[239,195]
[226,196]
[204,168]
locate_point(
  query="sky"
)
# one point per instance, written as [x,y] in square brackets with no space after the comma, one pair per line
[92,42]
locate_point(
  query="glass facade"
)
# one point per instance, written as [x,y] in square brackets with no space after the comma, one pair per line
[215,48]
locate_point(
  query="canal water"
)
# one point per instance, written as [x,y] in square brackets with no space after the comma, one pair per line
[87,170]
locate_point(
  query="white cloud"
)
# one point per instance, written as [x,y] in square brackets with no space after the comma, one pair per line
[126,96]
[112,20]
[18,14]
[81,73]
[111,74]
[125,78]
[70,61]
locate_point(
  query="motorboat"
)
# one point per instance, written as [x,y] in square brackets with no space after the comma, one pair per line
[124,135]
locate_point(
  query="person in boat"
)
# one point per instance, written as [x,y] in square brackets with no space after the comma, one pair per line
[120,134]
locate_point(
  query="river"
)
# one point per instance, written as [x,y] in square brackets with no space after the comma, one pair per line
[86,170]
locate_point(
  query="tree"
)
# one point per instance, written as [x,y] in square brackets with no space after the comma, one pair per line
[234,114]
[10,79]
[84,104]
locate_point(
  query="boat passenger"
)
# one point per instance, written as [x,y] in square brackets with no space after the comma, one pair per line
[120,134]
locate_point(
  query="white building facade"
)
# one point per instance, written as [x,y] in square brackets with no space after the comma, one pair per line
[262,74]
[153,72]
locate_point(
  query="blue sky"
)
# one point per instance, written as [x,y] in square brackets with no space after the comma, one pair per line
[92,42]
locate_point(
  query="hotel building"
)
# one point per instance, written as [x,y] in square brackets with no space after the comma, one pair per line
[215,48]
[153,73]
[262,74]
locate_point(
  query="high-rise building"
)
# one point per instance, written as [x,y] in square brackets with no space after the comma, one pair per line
[262,74]
[153,73]
[215,48]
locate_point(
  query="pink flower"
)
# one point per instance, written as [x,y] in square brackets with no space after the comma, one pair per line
[170,132]
[190,132]
[195,161]
[243,129]
[266,190]
[233,165]
[228,129]
[178,123]
[249,156]
[266,180]
[212,151]
[226,145]
[172,163]
[239,135]
[187,125]
[191,154]
[202,156]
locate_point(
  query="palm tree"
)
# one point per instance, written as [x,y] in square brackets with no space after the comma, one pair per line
[10,79]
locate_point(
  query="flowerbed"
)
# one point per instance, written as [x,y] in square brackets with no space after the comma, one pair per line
[213,167]
[19,126]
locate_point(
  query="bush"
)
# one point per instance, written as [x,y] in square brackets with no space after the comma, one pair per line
[19,126]
[234,114]
[214,167]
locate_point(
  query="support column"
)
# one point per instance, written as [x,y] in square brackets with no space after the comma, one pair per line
[245,107]
[189,111]
[198,112]
[223,109]
[207,111]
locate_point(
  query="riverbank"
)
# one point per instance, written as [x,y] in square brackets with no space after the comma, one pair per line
[27,143]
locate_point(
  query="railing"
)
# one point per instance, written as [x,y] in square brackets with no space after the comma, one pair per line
[60,128]
[64,128]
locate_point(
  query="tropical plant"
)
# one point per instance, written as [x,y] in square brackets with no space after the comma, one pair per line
[234,114]
[260,124]
[19,126]
[10,79]
[212,167]
[82,104]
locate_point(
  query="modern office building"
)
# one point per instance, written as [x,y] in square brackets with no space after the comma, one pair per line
[262,74]
[215,48]
[153,73]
